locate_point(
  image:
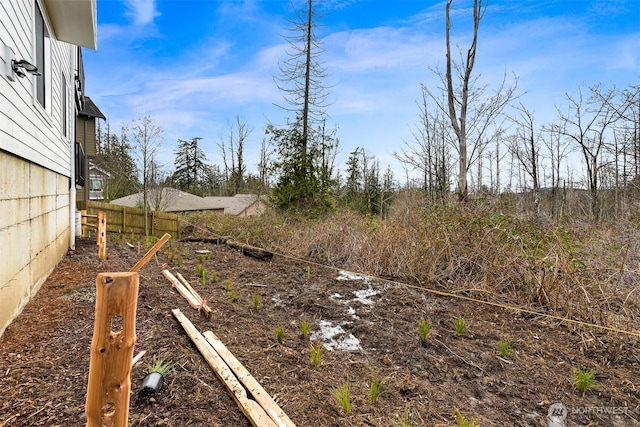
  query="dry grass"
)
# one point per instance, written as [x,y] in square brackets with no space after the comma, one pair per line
[584,271]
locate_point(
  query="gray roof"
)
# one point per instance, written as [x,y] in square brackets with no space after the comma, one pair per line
[91,110]
[172,200]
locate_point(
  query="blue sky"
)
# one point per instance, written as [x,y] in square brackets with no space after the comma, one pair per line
[196,65]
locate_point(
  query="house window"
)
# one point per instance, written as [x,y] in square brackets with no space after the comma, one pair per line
[95,184]
[64,108]
[43,54]
[80,165]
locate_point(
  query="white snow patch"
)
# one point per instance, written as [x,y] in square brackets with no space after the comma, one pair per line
[333,337]
[352,312]
[347,275]
[276,300]
[335,296]
[363,295]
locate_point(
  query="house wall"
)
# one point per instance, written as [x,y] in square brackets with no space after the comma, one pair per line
[35,159]
[34,230]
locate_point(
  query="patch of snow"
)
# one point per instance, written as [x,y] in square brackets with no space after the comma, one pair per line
[335,296]
[352,312]
[333,337]
[276,300]
[347,275]
[363,295]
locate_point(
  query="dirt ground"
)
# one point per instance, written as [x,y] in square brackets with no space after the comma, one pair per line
[368,327]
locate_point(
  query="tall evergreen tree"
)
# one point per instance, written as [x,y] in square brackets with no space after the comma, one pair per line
[304,147]
[190,166]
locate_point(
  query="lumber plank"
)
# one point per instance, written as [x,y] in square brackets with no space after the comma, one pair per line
[252,385]
[155,248]
[114,337]
[203,303]
[193,302]
[252,410]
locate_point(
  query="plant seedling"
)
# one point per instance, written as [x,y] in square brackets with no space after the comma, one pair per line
[424,327]
[160,366]
[463,420]
[204,277]
[504,347]
[461,326]
[583,379]
[214,277]
[228,285]
[308,272]
[280,333]
[342,394]
[405,419]
[304,329]
[256,300]
[316,354]
[200,270]
[375,388]
[233,295]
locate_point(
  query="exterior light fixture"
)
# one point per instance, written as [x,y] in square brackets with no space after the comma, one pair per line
[22,67]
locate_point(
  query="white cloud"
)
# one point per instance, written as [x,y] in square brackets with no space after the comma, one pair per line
[141,12]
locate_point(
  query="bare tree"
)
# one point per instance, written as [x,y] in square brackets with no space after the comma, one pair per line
[147,137]
[525,146]
[231,146]
[428,153]
[473,114]
[587,124]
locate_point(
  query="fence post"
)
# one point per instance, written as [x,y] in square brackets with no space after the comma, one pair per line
[83,221]
[114,337]
[101,235]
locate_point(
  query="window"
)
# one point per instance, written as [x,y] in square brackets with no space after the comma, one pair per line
[64,107]
[80,165]
[41,31]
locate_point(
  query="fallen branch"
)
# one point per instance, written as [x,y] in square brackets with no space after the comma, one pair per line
[253,251]
[252,410]
[250,250]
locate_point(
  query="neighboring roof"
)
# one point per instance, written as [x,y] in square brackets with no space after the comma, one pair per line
[180,201]
[74,22]
[91,110]
[172,200]
[233,205]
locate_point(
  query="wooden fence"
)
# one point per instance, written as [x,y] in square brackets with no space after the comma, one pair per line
[121,219]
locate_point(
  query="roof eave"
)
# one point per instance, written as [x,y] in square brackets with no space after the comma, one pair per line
[74,21]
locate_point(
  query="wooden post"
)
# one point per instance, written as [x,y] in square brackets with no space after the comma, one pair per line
[83,221]
[101,235]
[151,252]
[114,337]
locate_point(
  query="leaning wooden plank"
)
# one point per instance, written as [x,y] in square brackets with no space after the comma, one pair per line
[193,302]
[253,386]
[250,250]
[151,252]
[203,303]
[252,410]
[114,336]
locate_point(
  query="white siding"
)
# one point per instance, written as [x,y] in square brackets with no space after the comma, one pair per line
[36,202]
[26,129]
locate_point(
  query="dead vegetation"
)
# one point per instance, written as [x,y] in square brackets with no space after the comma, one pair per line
[494,365]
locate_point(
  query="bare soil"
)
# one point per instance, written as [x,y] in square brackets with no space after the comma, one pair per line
[44,354]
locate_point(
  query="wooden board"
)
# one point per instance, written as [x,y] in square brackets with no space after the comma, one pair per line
[253,386]
[155,248]
[253,411]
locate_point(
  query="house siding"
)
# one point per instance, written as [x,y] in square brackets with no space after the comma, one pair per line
[35,159]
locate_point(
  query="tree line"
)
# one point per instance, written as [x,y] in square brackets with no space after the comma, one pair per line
[471,141]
